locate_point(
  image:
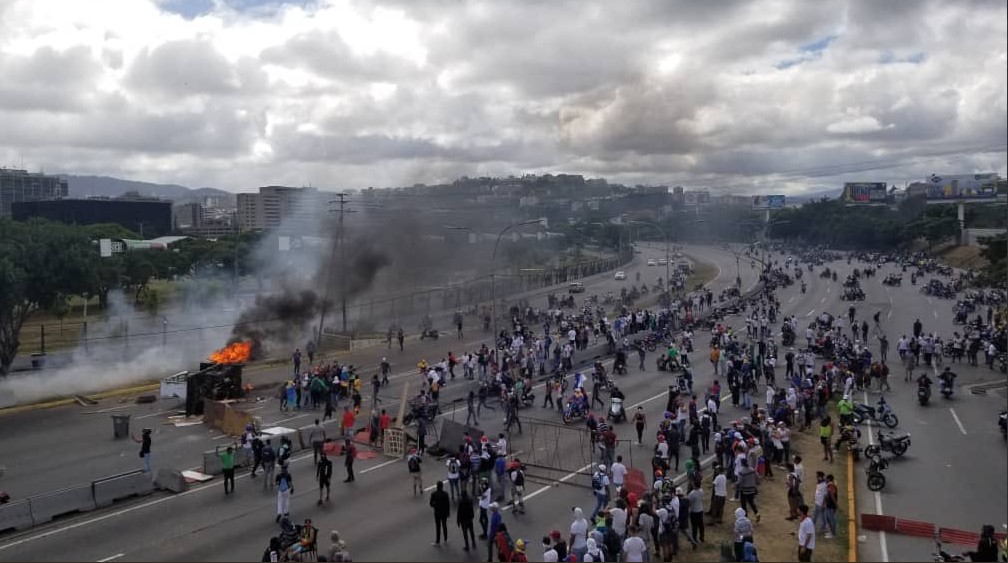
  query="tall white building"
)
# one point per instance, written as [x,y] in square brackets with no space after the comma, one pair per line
[268,208]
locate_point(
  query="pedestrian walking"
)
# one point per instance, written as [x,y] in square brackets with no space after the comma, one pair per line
[227,459]
[145,448]
[346,422]
[416,475]
[317,438]
[285,488]
[350,453]
[310,348]
[296,358]
[696,513]
[386,369]
[441,504]
[471,409]
[517,477]
[268,463]
[323,474]
[806,535]
[464,516]
[640,423]
[375,388]
[720,494]
[400,337]
[257,450]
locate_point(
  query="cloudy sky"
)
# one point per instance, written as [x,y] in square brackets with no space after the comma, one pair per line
[751,95]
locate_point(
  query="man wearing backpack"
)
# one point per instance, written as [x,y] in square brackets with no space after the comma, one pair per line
[413,465]
[285,488]
[600,488]
[517,475]
[268,463]
[454,476]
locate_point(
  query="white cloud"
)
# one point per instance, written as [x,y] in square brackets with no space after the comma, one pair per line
[392,92]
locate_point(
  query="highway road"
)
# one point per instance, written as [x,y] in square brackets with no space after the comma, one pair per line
[200,523]
[63,446]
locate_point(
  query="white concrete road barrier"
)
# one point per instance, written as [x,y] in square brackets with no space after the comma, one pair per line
[16,516]
[111,489]
[46,506]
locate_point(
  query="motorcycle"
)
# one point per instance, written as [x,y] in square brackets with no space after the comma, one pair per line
[883,413]
[898,445]
[876,479]
[803,288]
[942,555]
[616,411]
[946,389]
[1003,423]
[573,410]
[923,394]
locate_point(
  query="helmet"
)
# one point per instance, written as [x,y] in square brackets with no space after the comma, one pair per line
[661,437]
[520,544]
[601,467]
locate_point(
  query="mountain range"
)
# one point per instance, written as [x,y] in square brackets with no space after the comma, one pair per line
[107,186]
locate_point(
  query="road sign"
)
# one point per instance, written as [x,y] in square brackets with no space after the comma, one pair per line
[768,202]
[962,186]
[864,192]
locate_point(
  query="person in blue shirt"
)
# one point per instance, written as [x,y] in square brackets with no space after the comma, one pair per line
[494,525]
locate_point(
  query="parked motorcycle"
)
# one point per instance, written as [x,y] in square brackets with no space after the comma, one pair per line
[882,413]
[898,445]
[876,479]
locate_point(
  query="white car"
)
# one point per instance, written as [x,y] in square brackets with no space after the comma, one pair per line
[621,275]
[652,262]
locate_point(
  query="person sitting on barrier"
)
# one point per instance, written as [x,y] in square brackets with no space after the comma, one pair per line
[307,536]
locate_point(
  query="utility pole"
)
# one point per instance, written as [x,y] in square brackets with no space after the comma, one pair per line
[337,245]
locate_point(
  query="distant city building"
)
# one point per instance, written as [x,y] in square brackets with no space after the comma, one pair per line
[148,218]
[273,204]
[21,185]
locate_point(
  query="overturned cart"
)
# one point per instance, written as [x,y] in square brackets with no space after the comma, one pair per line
[214,381]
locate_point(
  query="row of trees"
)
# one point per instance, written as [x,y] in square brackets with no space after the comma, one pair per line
[43,265]
[851,227]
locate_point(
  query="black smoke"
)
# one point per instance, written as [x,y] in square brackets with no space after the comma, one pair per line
[273,317]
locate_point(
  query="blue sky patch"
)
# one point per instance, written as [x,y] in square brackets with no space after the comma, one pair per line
[819,45]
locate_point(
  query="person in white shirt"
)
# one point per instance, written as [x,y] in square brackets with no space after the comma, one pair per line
[579,535]
[720,486]
[806,535]
[550,555]
[819,509]
[619,518]
[619,472]
[634,547]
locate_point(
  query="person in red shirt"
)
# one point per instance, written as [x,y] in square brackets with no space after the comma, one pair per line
[383,423]
[346,423]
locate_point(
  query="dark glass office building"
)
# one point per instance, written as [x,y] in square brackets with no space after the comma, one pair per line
[147,218]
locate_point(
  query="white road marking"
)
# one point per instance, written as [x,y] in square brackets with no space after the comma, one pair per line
[889,314]
[957,421]
[935,314]
[790,300]
[810,311]
[883,545]
[156,413]
[380,465]
[823,300]
[828,289]
[109,409]
[110,558]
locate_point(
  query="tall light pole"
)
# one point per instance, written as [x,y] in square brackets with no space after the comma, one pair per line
[668,244]
[493,267]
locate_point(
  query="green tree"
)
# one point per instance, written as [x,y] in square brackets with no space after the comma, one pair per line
[137,272]
[40,262]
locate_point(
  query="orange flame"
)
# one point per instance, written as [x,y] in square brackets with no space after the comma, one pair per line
[235,353]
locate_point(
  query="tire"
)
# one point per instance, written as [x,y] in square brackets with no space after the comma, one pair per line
[856,418]
[900,449]
[871,451]
[891,420]
[567,418]
[876,481]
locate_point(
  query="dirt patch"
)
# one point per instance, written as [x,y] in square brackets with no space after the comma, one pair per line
[775,537]
[964,257]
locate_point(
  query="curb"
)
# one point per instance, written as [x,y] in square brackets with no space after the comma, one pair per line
[851,520]
[70,401]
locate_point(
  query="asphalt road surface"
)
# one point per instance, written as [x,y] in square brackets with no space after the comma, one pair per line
[382,520]
[52,448]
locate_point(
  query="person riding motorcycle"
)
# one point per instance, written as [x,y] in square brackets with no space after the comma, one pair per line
[803,287]
[924,381]
[616,393]
[947,378]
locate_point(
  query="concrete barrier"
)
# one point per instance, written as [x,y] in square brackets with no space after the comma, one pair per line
[16,516]
[46,506]
[171,480]
[212,464]
[111,489]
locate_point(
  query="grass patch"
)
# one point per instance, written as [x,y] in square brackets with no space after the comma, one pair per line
[964,257]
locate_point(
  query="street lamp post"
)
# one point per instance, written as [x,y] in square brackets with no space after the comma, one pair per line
[493,268]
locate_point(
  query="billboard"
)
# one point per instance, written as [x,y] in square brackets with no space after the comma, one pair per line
[864,192]
[962,186]
[768,202]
